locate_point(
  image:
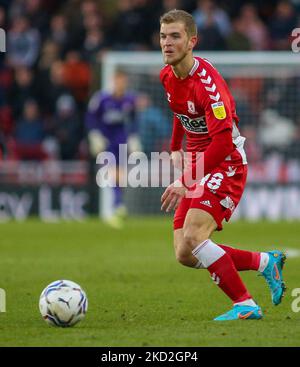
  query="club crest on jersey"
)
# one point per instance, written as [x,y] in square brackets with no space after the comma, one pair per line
[219,110]
[191,107]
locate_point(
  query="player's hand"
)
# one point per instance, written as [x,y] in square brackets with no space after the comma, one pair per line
[172,196]
[178,159]
[97,142]
[134,143]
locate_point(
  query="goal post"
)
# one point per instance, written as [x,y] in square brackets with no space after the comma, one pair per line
[262,63]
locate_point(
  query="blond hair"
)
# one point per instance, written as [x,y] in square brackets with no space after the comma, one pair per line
[182,16]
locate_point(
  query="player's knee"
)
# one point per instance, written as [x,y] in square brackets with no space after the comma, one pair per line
[193,235]
[184,259]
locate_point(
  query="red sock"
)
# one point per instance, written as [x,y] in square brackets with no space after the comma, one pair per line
[225,274]
[243,260]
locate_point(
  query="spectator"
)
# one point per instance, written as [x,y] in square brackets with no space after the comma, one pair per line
[24,87]
[23,43]
[52,88]
[67,127]
[16,9]
[253,28]
[6,120]
[3,22]
[168,5]
[282,24]
[238,40]
[77,76]
[6,81]
[207,9]
[210,37]
[93,44]
[58,32]
[89,7]
[29,133]
[131,29]
[49,55]
[92,22]
[37,16]
[55,46]
[2,146]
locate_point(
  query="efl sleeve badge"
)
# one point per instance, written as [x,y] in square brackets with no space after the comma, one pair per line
[219,110]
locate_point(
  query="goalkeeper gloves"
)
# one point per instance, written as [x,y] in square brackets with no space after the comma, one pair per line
[134,144]
[97,142]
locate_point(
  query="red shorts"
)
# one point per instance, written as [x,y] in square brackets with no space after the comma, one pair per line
[220,193]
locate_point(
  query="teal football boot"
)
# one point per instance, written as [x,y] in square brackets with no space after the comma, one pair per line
[239,312]
[273,275]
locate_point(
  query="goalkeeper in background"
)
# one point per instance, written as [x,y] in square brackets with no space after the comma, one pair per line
[110,121]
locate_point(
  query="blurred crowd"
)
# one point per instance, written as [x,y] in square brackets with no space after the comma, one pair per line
[54,49]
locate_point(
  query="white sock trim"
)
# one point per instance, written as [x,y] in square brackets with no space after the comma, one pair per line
[208,252]
[199,265]
[264,261]
[247,302]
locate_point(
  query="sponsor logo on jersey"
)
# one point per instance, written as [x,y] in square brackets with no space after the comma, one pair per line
[219,110]
[195,125]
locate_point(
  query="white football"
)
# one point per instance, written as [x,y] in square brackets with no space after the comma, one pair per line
[63,303]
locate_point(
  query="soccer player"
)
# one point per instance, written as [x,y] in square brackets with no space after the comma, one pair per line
[111,121]
[204,111]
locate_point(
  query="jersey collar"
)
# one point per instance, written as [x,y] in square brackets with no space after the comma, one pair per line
[194,68]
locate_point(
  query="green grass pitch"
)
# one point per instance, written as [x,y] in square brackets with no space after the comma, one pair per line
[138,294]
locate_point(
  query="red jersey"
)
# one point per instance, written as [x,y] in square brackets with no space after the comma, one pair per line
[203,106]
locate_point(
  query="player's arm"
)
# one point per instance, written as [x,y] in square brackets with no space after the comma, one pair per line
[177,135]
[96,139]
[177,154]
[173,195]
[178,130]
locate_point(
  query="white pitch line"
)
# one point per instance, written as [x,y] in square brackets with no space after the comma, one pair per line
[292,252]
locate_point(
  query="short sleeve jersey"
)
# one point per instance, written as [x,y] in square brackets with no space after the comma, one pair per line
[202,103]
